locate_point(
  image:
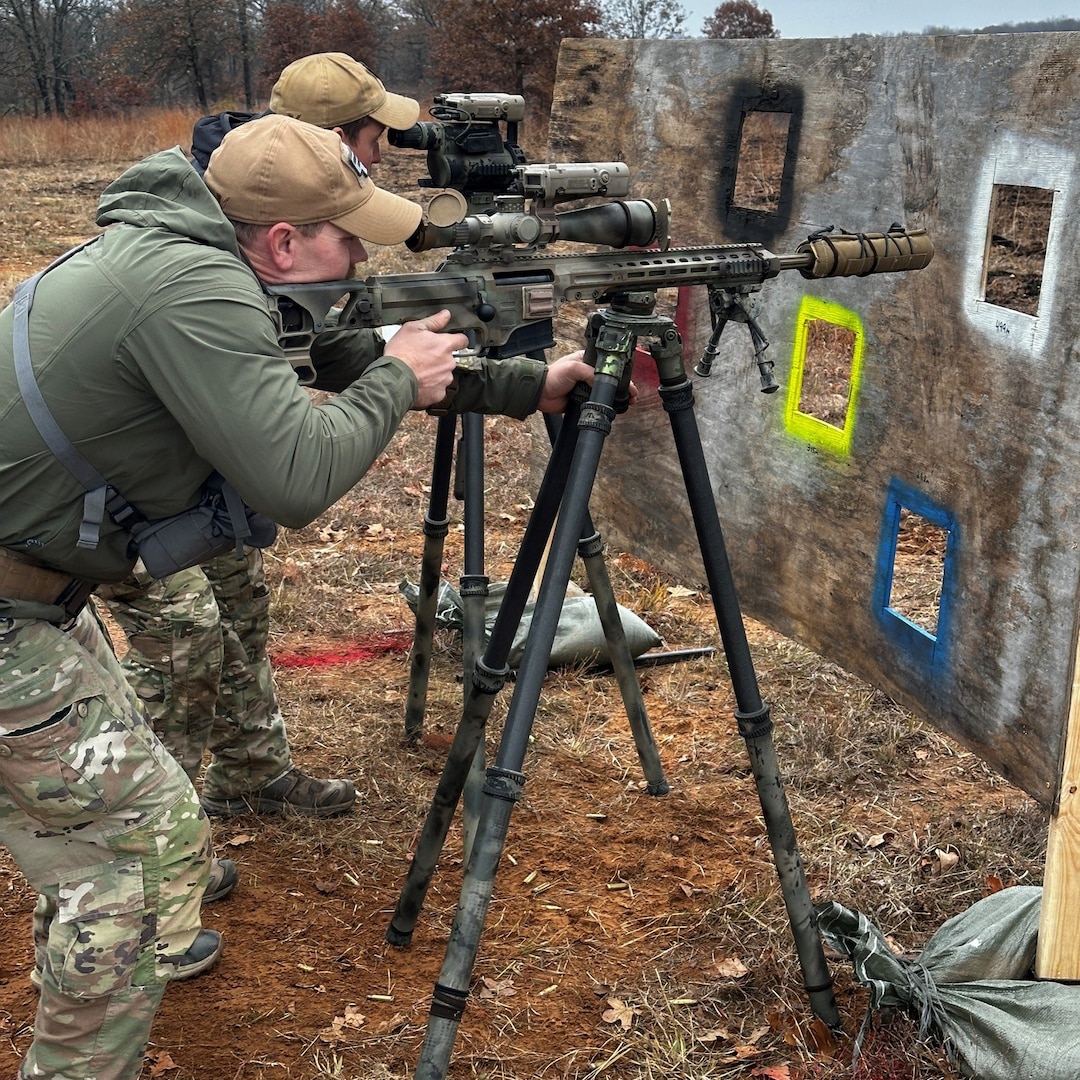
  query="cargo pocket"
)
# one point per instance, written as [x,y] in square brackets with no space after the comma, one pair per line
[95,936]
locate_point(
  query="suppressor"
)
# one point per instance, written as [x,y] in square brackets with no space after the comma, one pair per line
[859,254]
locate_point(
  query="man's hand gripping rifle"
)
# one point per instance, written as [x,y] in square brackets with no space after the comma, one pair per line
[501,284]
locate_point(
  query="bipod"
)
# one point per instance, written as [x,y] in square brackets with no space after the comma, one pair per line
[610,343]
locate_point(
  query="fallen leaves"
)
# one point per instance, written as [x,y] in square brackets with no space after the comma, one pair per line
[730,967]
[351,1019]
[619,1012]
[160,1062]
[941,862]
[497,988]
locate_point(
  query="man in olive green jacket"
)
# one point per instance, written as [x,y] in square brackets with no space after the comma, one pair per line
[197,640]
[155,352]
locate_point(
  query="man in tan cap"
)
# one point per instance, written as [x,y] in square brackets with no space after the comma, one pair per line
[221,696]
[162,325]
[330,90]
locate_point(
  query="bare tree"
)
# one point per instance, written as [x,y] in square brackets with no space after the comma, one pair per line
[47,35]
[182,46]
[642,19]
[740,19]
[510,47]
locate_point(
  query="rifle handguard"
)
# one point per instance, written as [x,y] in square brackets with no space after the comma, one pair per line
[859,254]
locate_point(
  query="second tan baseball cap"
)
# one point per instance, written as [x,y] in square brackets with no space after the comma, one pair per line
[330,89]
[276,169]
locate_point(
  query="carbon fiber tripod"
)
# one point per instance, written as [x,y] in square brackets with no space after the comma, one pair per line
[461,779]
[611,338]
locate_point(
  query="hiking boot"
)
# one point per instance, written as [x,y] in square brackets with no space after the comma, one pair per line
[203,954]
[293,793]
[223,879]
[200,957]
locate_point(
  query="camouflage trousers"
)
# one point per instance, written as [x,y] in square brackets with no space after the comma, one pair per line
[107,828]
[197,660]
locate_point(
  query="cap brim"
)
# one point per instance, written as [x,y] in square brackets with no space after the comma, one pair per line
[384,218]
[397,112]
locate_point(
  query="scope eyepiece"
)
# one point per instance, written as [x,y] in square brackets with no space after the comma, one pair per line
[421,136]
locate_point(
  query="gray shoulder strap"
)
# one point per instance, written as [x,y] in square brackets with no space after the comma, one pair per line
[98,491]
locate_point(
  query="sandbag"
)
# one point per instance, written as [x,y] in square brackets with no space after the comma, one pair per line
[579,637]
[973,986]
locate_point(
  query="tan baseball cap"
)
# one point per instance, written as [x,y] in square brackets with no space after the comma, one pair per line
[330,89]
[275,168]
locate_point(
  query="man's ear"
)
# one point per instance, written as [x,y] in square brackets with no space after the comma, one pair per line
[281,245]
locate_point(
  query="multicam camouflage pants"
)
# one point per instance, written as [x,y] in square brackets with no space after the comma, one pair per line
[197,659]
[107,828]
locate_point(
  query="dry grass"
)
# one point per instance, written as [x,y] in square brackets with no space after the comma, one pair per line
[100,139]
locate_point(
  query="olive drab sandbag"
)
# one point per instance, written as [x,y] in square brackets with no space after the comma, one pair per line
[973,987]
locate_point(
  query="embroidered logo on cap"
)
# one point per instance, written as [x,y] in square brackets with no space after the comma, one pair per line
[354,163]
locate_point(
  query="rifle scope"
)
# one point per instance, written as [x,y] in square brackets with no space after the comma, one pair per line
[617,224]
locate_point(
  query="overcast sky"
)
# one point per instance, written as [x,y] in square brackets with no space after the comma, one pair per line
[841,18]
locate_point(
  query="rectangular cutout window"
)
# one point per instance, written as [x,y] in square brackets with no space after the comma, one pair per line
[918,572]
[826,378]
[759,172]
[826,367]
[1016,240]
[915,577]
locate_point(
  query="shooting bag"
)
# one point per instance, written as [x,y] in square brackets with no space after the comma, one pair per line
[579,637]
[217,524]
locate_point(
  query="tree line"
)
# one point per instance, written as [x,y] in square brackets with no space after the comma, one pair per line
[68,57]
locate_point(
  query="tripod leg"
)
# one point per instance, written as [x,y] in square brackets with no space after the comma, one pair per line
[591,550]
[436,525]
[505,779]
[487,680]
[755,724]
[474,594]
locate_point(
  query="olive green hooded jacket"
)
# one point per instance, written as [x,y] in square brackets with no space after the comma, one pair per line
[156,353]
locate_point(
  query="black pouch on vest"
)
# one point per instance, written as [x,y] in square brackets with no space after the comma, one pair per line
[218,524]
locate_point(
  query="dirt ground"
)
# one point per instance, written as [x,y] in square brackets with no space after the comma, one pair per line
[628,936]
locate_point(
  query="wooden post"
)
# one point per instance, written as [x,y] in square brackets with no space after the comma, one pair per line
[1058,953]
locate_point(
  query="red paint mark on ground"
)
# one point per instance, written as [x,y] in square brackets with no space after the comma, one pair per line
[396,641]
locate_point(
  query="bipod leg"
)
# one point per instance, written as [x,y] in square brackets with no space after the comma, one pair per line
[752,715]
[436,526]
[505,781]
[591,550]
[488,678]
[474,593]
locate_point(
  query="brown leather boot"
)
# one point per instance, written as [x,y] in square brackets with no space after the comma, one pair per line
[293,793]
